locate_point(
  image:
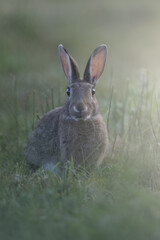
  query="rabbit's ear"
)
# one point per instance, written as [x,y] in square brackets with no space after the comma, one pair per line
[95,65]
[69,65]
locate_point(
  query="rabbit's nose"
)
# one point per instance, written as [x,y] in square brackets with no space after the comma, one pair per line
[80,108]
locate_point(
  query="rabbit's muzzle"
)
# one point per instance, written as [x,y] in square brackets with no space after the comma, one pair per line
[80,108]
[79,111]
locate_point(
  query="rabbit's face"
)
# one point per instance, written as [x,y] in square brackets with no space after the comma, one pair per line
[81,102]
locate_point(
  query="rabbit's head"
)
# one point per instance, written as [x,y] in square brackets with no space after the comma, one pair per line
[81,103]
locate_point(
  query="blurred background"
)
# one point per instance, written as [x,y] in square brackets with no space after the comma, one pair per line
[121,200]
[32,30]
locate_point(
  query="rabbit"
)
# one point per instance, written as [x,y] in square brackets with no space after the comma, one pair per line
[77,130]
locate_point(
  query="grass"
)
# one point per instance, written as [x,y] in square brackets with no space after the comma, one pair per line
[120,199]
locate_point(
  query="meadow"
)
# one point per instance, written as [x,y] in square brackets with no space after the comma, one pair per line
[121,198]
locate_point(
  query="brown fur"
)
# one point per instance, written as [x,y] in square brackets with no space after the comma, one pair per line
[77,130]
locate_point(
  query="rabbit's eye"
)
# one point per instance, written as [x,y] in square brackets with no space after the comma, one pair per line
[93,91]
[68,91]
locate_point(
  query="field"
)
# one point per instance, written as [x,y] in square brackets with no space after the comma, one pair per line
[121,198]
